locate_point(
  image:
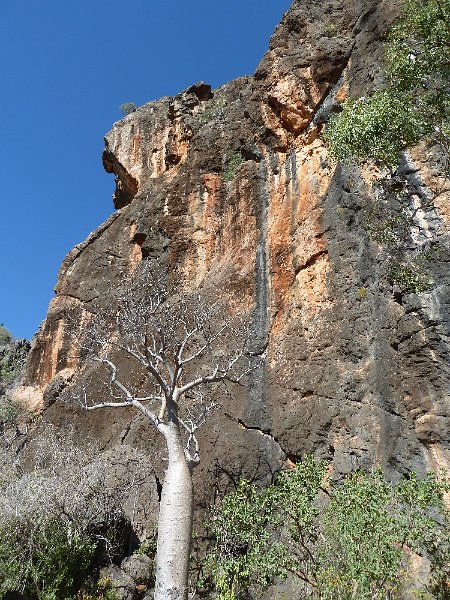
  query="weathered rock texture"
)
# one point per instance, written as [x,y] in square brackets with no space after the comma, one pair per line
[235,184]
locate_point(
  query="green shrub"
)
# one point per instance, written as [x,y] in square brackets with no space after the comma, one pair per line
[8,411]
[377,127]
[234,163]
[410,278]
[338,541]
[214,109]
[330,29]
[127,108]
[416,101]
[5,336]
[49,563]
[101,590]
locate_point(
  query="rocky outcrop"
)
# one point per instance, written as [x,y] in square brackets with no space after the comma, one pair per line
[235,186]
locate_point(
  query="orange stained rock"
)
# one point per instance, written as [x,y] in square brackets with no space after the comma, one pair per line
[178,145]
[280,244]
[342,94]
[203,229]
[272,122]
[297,248]
[58,342]
[295,103]
[289,464]
[311,287]
[343,91]
[29,397]
[135,255]
[212,182]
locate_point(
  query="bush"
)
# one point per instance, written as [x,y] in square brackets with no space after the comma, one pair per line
[416,101]
[233,165]
[12,359]
[59,520]
[5,336]
[100,590]
[338,541]
[127,108]
[377,127]
[49,563]
[214,109]
[409,278]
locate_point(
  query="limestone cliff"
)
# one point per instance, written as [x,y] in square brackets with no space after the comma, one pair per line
[236,184]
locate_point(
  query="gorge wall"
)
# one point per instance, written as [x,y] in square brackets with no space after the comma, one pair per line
[234,186]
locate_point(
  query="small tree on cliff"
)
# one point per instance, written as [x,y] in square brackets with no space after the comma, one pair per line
[177,348]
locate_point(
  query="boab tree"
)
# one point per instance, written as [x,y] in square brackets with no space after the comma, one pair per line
[180,349]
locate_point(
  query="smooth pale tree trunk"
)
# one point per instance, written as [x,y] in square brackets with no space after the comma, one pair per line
[174,523]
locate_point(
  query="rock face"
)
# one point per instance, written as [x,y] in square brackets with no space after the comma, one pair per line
[235,185]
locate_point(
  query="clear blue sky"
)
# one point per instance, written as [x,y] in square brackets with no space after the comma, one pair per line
[66,67]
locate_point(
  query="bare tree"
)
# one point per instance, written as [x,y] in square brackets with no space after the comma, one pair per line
[178,349]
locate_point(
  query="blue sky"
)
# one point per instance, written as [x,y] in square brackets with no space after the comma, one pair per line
[67,66]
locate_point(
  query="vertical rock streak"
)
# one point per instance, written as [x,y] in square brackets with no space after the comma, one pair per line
[256,411]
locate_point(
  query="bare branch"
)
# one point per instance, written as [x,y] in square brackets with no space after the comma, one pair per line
[218,375]
[150,398]
[107,405]
[162,410]
[114,381]
[150,416]
[174,346]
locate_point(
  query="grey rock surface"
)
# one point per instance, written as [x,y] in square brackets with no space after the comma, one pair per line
[120,582]
[138,567]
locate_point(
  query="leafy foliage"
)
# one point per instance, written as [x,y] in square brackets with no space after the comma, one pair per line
[410,278]
[5,336]
[234,163]
[337,541]
[416,101]
[8,411]
[57,561]
[379,127]
[100,590]
[214,109]
[60,519]
[127,108]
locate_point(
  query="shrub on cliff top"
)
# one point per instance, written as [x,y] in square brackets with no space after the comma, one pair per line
[5,336]
[127,108]
[12,359]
